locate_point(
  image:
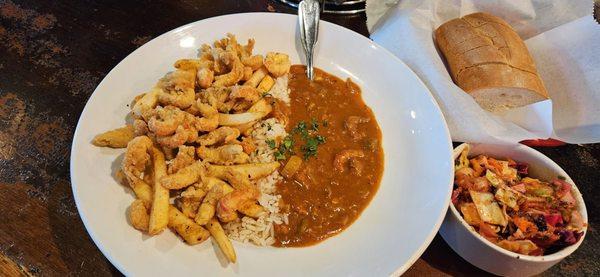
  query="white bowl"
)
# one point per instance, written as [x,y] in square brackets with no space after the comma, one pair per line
[391,233]
[480,252]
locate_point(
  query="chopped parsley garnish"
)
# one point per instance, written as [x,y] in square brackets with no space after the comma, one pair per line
[311,146]
[301,129]
[288,143]
[314,124]
[325,123]
[308,133]
[271,143]
[279,156]
[286,147]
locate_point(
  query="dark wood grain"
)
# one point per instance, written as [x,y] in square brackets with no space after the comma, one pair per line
[52,56]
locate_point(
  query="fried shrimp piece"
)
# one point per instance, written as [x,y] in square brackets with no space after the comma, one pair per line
[344,156]
[201,68]
[230,43]
[205,53]
[181,136]
[209,182]
[252,210]
[187,64]
[247,93]
[351,125]
[249,47]
[230,59]
[197,191]
[228,206]
[135,165]
[205,77]
[193,64]
[185,156]
[219,66]
[177,89]
[257,111]
[221,135]
[237,178]
[139,216]
[145,104]
[117,138]
[186,126]
[248,145]
[184,177]
[137,158]
[243,97]
[190,200]
[165,120]
[253,62]
[188,206]
[224,155]
[253,171]
[175,127]
[210,119]
[193,110]
[216,97]
[244,52]
[207,208]
[278,64]
[140,127]
[169,152]
[247,73]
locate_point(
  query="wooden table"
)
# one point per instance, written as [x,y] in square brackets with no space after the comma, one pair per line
[52,56]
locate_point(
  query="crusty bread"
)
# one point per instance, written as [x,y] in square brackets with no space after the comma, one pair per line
[488,60]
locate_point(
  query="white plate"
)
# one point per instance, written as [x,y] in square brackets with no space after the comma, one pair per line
[388,237]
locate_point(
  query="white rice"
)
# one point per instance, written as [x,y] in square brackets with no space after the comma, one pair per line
[280,90]
[261,231]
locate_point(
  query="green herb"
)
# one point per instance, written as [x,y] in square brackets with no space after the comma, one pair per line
[271,143]
[279,156]
[314,124]
[562,177]
[301,126]
[311,139]
[286,147]
[325,123]
[301,129]
[269,127]
[311,146]
[288,142]
[265,94]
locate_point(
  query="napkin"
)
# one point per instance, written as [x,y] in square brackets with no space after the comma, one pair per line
[562,37]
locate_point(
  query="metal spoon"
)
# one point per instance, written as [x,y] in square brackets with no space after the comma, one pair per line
[308,18]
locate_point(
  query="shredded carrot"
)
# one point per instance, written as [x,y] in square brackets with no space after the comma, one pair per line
[524,225]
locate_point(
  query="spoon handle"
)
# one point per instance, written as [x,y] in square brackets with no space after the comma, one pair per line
[308,18]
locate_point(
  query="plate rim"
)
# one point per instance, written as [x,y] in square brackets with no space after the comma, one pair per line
[400,270]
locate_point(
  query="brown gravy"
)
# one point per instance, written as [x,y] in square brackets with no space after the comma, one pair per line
[329,192]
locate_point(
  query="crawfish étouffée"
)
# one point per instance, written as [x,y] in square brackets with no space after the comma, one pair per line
[335,183]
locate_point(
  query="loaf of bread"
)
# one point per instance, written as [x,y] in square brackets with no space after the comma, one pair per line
[488,60]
